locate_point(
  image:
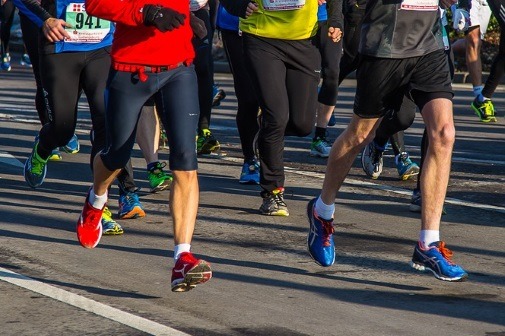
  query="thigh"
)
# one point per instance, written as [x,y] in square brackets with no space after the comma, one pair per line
[267,70]
[177,105]
[381,85]
[60,76]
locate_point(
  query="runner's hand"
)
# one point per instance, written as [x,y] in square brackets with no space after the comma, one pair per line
[54,30]
[251,8]
[164,19]
[335,34]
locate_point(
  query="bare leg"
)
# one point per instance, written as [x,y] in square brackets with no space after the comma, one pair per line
[184,199]
[102,177]
[473,61]
[324,113]
[438,118]
[343,152]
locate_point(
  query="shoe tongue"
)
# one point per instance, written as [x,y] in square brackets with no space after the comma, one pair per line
[435,244]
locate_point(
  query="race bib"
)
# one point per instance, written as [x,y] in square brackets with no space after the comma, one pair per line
[85,28]
[419,5]
[278,5]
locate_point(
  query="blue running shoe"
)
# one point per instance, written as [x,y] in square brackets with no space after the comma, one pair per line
[437,259]
[129,206]
[320,237]
[250,173]
[73,145]
[406,168]
[332,121]
[25,61]
[35,168]
[6,62]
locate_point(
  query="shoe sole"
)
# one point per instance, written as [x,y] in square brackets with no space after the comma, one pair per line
[317,154]
[135,213]
[161,187]
[280,213]
[423,268]
[409,173]
[199,274]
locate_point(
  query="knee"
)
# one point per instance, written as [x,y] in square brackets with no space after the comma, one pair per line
[443,137]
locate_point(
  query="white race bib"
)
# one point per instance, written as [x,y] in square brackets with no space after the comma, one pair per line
[85,28]
[419,5]
[278,5]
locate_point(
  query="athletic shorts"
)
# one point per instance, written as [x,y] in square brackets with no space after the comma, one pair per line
[480,14]
[382,82]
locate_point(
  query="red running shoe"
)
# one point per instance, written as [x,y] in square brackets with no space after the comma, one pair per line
[89,225]
[189,272]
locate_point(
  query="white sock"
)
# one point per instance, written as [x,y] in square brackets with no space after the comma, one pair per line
[426,237]
[324,211]
[97,201]
[477,90]
[180,248]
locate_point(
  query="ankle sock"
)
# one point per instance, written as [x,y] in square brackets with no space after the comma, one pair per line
[324,211]
[97,201]
[180,248]
[477,90]
[426,237]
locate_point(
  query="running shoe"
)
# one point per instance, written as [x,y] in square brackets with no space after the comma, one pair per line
[406,168]
[485,110]
[416,202]
[109,225]
[158,179]
[273,203]
[163,142]
[130,206]
[6,62]
[320,238]
[89,225]
[189,272]
[320,147]
[218,95]
[55,155]
[371,160]
[72,146]
[437,259]
[333,120]
[250,172]
[206,143]
[25,61]
[35,168]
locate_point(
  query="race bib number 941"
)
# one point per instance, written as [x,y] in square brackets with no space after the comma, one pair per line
[85,28]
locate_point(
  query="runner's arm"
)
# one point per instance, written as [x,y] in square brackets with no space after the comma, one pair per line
[33,11]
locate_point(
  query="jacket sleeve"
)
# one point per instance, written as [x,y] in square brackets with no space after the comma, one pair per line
[125,12]
[335,14]
[236,7]
[33,11]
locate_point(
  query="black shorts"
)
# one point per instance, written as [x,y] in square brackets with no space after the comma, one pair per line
[382,82]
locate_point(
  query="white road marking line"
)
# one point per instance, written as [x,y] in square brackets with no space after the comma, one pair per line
[401,191]
[10,160]
[89,305]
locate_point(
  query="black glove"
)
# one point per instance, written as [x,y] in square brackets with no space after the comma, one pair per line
[165,19]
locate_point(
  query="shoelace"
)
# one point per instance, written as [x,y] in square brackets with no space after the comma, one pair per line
[405,159]
[328,230]
[488,108]
[37,166]
[445,252]
[158,170]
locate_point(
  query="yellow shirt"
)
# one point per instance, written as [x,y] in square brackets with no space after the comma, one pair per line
[296,24]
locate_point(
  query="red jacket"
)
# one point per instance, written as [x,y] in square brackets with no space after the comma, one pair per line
[137,45]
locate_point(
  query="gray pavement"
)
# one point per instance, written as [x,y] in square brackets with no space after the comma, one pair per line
[264,281]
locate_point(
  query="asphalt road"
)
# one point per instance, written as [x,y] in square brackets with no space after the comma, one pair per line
[264,281]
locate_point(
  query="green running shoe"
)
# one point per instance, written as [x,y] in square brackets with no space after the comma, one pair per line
[206,143]
[109,225]
[158,179]
[35,168]
[484,110]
